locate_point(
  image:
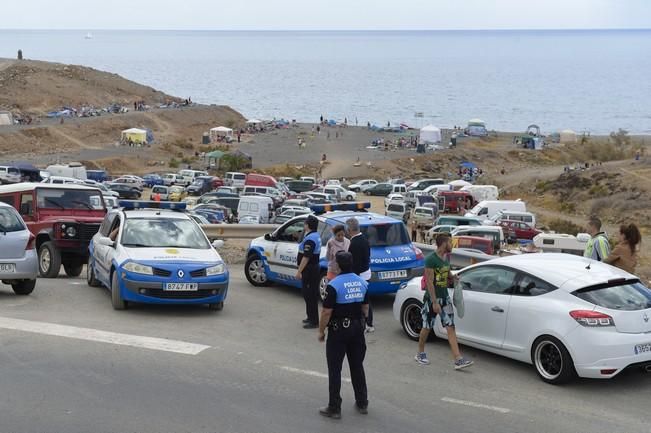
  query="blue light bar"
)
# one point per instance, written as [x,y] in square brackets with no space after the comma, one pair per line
[144,204]
[355,207]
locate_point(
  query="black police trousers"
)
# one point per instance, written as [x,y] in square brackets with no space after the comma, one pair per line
[310,289]
[349,343]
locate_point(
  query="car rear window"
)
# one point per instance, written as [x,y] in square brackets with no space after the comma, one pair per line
[628,295]
[396,208]
[381,235]
[9,221]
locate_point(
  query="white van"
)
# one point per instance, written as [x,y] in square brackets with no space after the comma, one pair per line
[398,211]
[63,180]
[234,178]
[510,215]
[399,188]
[9,174]
[482,192]
[257,206]
[72,169]
[487,208]
[190,175]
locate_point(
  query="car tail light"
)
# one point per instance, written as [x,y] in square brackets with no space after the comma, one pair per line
[30,242]
[591,318]
[419,253]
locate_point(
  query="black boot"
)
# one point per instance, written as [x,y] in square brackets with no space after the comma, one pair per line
[362,409]
[330,412]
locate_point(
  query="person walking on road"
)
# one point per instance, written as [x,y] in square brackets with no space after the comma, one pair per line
[437,302]
[361,251]
[344,309]
[598,247]
[625,254]
[337,243]
[309,272]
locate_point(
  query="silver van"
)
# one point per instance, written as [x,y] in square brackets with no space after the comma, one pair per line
[510,215]
[9,174]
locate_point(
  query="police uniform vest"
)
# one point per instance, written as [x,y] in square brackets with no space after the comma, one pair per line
[350,288]
[316,239]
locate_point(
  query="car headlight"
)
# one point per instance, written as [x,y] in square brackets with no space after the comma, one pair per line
[215,270]
[137,268]
[71,231]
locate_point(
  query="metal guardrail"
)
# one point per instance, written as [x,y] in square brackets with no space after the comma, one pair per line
[237,231]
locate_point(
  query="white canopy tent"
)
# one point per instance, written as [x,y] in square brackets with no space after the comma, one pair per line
[220,131]
[430,134]
[458,184]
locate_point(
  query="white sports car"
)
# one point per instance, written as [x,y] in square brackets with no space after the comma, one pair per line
[566,315]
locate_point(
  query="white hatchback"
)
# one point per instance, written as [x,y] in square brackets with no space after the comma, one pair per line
[583,318]
[18,259]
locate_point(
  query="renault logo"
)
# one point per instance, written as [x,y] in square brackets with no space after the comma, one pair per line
[388,251]
[180,273]
[645,317]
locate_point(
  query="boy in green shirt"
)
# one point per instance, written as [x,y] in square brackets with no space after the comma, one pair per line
[436,301]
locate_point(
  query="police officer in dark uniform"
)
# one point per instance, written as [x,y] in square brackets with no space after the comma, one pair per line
[309,271]
[344,314]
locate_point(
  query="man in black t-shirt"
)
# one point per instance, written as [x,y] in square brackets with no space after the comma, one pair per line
[361,251]
[344,312]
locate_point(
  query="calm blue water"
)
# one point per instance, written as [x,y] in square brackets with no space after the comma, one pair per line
[584,80]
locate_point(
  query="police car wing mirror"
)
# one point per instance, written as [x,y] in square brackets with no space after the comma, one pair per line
[217,244]
[268,237]
[105,241]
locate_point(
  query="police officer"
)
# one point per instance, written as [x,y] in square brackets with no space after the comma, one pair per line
[344,314]
[309,271]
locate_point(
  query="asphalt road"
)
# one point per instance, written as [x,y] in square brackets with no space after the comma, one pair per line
[252,368]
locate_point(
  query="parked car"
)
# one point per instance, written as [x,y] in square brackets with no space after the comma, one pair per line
[393,198]
[520,230]
[299,186]
[189,176]
[97,175]
[176,193]
[423,216]
[424,183]
[18,258]
[152,180]
[62,218]
[171,179]
[338,191]
[397,210]
[235,179]
[162,190]
[384,189]
[130,181]
[228,189]
[430,234]
[494,233]
[362,185]
[550,311]
[125,191]
[200,185]
[9,174]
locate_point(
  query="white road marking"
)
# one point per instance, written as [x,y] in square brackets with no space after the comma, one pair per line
[477,405]
[90,334]
[310,373]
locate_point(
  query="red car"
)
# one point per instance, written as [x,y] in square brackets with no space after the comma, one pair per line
[217,182]
[521,230]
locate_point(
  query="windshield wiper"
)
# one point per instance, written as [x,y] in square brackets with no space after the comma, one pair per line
[56,203]
[83,203]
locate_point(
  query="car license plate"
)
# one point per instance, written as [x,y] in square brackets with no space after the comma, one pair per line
[181,287]
[390,275]
[8,267]
[642,348]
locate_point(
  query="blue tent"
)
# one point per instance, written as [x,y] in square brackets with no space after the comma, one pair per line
[467,164]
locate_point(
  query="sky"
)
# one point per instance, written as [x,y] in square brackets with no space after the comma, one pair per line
[325,15]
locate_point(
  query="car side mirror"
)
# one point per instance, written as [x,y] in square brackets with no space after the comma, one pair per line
[105,241]
[268,237]
[217,244]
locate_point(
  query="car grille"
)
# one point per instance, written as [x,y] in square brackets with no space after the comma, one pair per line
[199,273]
[87,231]
[162,272]
[198,294]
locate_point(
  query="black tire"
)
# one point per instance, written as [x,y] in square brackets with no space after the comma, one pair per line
[90,276]
[216,307]
[410,318]
[323,283]
[349,198]
[24,287]
[254,271]
[552,361]
[73,270]
[49,260]
[116,297]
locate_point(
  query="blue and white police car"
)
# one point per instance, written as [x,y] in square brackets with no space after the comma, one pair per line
[394,259]
[152,252]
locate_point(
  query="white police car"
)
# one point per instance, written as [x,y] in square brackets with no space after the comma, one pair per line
[394,260]
[152,252]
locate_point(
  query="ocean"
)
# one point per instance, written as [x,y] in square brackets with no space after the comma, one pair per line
[595,81]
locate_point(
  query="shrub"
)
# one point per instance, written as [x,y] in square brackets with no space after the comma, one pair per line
[173,163]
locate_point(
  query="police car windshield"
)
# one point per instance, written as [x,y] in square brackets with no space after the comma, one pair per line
[383,235]
[163,233]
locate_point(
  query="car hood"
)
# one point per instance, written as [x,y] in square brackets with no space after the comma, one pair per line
[208,255]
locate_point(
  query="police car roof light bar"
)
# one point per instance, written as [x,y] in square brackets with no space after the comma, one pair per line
[355,207]
[144,204]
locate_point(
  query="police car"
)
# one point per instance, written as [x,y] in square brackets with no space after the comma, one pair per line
[152,252]
[394,259]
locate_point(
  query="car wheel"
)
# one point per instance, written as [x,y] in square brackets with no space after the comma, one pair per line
[216,307]
[367,192]
[254,271]
[323,283]
[24,287]
[90,276]
[49,260]
[116,296]
[73,270]
[552,361]
[349,198]
[411,319]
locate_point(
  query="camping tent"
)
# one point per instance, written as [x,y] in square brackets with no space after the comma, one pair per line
[6,118]
[136,135]
[214,157]
[568,136]
[430,134]
[220,131]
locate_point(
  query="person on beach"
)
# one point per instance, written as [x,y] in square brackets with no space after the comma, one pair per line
[338,242]
[437,302]
[598,247]
[625,253]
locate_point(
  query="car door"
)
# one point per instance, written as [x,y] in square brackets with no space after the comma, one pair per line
[103,254]
[487,295]
[285,249]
